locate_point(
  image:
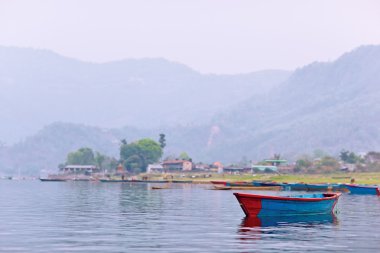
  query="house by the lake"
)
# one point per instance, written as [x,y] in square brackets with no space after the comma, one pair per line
[177,165]
[79,169]
[155,168]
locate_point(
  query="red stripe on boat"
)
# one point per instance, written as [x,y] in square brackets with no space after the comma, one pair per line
[250,207]
[326,196]
[219,182]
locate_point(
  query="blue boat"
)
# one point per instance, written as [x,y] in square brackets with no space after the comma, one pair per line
[52,180]
[246,184]
[362,189]
[132,181]
[318,187]
[306,204]
[266,183]
[181,181]
[312,187]
[114,180]
[295,187]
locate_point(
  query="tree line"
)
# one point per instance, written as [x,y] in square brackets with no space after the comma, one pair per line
[346,160]
[134,156]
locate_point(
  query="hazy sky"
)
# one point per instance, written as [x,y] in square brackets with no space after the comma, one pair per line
[216,36]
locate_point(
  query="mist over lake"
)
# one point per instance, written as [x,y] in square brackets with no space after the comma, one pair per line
[189,126]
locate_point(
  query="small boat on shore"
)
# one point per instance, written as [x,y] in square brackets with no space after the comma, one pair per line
[132,181]
[250,188]
[306,204]
[306,187]
[219,182]
[181,181]
[322,187]
[266,183]
[159,187]
[362,189]
[151,181]
[114,180]
[52,180]
[242,183]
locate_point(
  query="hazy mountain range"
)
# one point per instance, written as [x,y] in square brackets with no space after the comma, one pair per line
[40,87]
[328,106]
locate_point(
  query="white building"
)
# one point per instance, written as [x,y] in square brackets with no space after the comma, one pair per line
[79,169]
[154,168]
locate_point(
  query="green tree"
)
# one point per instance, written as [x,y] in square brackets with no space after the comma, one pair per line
[327,164]
[99,160]
[329,161]
[83,156]
[151,150]
[184,156]
[112,163]
[349,157]
[134,164]
[162,141]
[127,150]
[138,155]
[344,155]
[304,163]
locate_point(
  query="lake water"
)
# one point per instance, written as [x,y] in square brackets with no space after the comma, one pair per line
[130,217]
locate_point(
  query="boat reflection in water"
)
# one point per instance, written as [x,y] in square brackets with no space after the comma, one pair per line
[249,222]
[259,228]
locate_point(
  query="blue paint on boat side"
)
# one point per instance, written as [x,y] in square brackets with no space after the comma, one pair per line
[306,204]
[296,187]
[291,207]
[363,189]
[312,187]
[301,186]
[261,183]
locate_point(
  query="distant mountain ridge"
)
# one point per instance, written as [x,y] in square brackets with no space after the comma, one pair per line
[329,106]
[39,87]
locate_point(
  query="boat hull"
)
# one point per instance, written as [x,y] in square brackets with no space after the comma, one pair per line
[219,182]
[249,188]
[260,205]
[181,181]
[262,183]
[52,180]
[245,184]
[132,181]
[312,187]
[362,189]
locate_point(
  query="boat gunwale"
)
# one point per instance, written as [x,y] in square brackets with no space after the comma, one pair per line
[256,196]
[362,186]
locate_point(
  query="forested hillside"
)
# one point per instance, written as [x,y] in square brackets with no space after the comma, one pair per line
[325,105]
[40,87]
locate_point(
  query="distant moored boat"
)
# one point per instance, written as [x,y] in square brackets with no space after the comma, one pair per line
[362,189]
[52,180]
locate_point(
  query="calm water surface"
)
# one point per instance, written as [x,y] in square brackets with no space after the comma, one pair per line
[130,217]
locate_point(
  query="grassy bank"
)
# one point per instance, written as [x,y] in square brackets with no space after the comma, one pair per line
[360,178]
